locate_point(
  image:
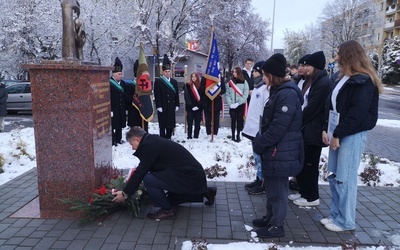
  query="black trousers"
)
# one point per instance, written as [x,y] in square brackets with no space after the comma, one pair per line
[193,116]
[307,179]
[207,116]
[116,135]
[166,132]
[237,120]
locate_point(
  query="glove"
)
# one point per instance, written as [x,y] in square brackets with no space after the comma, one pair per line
[112,114]
[176,108]
[159,110]
[234,105]
[195,108]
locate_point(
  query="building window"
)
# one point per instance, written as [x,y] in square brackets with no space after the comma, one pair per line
[381,6]
[378,37]
[179,71]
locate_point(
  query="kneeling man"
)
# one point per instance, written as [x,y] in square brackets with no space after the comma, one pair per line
[165,166]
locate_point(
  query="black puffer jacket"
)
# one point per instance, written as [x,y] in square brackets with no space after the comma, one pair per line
[280,141]
[357,103]
[314,113]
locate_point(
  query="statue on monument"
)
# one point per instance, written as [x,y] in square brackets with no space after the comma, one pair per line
[80,37]
[74,35]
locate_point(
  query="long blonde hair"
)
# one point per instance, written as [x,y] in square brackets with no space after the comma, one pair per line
[353,60]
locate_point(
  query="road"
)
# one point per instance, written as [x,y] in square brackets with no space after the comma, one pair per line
[381,141]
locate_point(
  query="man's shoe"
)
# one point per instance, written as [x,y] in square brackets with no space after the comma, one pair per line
[251,185]
[326,221]
[303,202]
[271,232]
[121,142]
[162,214]
[332,227]
[264,222]
[257,190]
[293,185]
[210,196]
[294,197]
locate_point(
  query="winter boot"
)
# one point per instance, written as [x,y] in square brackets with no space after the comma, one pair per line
[251,185]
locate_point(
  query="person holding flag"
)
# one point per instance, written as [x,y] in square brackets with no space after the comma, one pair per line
[237,91]
[193,105]
[142,97]
[212,87]
[166,96]
[117,99]
[133,113]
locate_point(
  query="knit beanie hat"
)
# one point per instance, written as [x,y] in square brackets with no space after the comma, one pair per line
[303,59]
[257,66]
[317,60]
[275,65]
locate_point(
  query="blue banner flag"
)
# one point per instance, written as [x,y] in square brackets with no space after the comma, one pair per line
[213,84]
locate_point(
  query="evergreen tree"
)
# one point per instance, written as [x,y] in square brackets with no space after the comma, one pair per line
[390,64]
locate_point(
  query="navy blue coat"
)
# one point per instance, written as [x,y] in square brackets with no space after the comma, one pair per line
[357,102]
[280,142]
[170,162]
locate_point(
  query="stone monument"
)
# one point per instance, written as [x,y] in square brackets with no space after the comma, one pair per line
[71,113]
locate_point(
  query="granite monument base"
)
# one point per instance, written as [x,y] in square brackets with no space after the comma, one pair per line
[71,113]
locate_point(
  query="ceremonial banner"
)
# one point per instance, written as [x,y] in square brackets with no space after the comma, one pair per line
[213,83]
[142,99]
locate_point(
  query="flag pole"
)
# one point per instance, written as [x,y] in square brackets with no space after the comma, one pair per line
[212,101]
[212,120]
[184,101]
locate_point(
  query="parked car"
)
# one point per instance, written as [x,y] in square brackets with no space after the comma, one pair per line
[10,82]
[19,97]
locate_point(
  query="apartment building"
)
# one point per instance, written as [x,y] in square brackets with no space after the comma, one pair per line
[392,19]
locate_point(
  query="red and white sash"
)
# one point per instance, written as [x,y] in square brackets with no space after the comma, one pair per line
[239,92]
[195,92]
[235,88]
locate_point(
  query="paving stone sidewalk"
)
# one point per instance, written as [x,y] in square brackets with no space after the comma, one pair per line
[378,219]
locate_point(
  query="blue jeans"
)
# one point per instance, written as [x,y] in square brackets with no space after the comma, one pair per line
[343,164]
[257,160]
[276,188]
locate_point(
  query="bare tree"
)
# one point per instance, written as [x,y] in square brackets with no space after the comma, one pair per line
[345,20]
[239,31]
[296,44]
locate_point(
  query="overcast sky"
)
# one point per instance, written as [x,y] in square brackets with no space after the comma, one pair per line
[292,15]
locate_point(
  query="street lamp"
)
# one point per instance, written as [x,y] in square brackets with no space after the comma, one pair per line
[273,24]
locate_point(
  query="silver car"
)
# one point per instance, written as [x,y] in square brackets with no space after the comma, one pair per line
[19,97]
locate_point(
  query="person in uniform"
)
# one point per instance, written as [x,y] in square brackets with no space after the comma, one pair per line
[166,96]
[117,99]
[134,118]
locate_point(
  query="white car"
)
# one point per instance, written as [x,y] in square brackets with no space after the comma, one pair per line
[19,97]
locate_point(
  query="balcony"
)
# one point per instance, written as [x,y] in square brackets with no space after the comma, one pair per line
[391,9]
[389,26]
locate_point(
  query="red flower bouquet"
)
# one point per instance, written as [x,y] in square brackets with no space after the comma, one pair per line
[100,205]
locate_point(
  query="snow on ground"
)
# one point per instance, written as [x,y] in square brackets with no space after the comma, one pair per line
[18,151]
